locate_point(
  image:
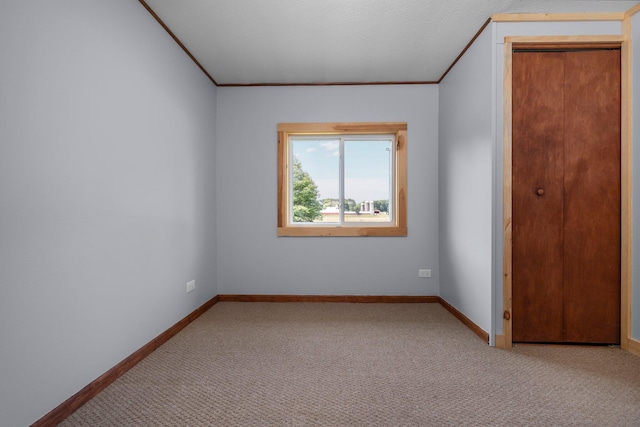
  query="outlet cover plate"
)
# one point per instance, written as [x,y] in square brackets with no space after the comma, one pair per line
[191,286]
[423,272]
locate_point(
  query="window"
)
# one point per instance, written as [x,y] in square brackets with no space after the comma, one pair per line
[342,179]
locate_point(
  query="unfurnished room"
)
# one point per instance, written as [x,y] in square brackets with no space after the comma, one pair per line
[319,213]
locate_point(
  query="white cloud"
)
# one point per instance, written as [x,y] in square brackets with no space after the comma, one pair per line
[330,145]
[336,154]
[311,149]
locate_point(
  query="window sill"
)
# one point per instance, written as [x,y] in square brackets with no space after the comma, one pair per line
[342,231]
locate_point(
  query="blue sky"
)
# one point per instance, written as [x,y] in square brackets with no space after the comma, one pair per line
[367,166]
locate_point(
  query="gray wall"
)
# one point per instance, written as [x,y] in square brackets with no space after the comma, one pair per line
[252,259]
[635,83]
[107,192]
[465,182]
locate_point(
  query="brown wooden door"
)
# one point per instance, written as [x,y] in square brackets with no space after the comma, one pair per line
[566,196]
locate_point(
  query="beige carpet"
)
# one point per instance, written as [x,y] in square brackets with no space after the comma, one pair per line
[331,364]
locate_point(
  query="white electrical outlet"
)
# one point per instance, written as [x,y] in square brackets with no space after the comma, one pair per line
[424,272]
[191,286]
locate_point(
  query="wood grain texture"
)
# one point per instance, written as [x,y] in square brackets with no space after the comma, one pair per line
[507,202]
[537,218]
[629,13]
[592,197]
[346,231]
[342,127]
[549,17]
[552,41]
[566,253]
[401,181]
[65,409]
[633,346]
[626,143]
[283,174]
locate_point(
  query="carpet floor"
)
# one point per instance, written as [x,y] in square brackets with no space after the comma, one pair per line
[339,364]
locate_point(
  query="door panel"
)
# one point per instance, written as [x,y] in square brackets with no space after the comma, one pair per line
[566,196]
[592,197]
[537,218]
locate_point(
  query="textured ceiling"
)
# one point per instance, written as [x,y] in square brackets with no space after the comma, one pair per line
[338,41]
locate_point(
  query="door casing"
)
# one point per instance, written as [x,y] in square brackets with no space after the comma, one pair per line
[551,42]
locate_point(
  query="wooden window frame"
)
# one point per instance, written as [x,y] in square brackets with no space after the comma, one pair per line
[398,224]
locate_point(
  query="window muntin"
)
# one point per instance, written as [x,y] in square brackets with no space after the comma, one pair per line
[364,160]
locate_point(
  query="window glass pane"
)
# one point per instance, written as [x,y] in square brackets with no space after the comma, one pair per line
[315,180]
[368,180]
